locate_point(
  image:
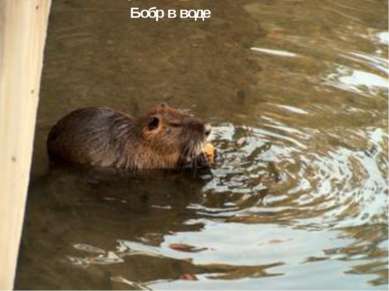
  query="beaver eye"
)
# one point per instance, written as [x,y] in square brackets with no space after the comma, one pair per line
[153,123]
[175,124]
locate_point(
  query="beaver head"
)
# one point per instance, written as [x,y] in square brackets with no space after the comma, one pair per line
[176,135]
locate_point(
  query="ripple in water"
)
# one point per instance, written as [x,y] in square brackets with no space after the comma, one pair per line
[296,177]
[292,182]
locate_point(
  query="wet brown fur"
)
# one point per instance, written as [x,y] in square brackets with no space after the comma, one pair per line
[165,138]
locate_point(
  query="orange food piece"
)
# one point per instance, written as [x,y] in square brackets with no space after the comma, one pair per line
[209,151]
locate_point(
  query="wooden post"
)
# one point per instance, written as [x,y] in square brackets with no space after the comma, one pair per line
[23,26]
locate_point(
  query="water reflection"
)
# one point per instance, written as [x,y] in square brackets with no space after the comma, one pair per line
[358,81]
[383,37]
[274,52]
[297,94]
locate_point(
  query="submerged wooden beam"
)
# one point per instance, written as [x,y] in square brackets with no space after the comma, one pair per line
[23,26]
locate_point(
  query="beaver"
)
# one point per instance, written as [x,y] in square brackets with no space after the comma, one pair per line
[164,138]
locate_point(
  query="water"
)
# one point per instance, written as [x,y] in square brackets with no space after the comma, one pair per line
[296,92]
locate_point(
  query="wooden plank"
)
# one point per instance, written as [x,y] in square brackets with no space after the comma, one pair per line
[23,26]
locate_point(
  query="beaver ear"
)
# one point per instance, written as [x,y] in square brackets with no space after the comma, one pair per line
[153,123]
[163,105]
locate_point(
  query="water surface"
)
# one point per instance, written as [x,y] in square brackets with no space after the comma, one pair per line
[296,92]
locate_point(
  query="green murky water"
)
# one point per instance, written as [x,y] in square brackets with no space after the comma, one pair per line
[297,94]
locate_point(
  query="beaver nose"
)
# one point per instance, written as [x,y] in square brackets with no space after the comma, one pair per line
[207,129]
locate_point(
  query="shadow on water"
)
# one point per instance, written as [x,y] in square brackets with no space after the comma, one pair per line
[296,92]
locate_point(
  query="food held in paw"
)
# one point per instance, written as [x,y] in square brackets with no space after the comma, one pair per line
[209,152]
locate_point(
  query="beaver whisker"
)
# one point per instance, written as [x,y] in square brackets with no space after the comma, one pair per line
[186,154]
[191,152]
[194,166]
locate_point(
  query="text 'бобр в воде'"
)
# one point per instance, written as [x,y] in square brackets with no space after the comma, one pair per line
[156,14]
